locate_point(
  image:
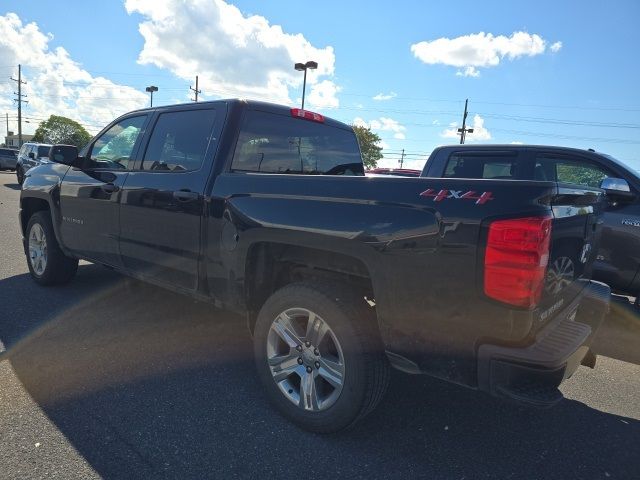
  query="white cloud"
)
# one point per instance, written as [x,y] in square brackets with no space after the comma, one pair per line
[234,55]
[385,96]
[56,84]
[480,133]
[468,72]
[555,47]
[480,50]
[360,122]
[517,142]
[323,94]
[383,124]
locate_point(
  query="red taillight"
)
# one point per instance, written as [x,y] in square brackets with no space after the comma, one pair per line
[307,115]
[516,260]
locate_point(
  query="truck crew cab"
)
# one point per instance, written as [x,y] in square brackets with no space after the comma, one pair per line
[265,210]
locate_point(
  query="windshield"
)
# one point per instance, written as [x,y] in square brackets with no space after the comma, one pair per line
[627,167]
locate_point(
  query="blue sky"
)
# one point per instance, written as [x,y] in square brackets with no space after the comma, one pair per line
[544,72]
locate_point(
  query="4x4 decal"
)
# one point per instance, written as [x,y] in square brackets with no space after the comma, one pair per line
[440,195]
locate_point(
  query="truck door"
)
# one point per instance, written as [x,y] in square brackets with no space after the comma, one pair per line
[89,195]
[161,207]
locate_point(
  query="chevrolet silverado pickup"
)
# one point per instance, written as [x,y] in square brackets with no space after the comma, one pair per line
[266,211]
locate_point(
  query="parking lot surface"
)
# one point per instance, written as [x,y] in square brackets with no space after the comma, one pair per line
[108,377]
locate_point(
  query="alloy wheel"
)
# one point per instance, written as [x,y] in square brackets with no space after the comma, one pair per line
[560,274]
[37,249]
[305,359]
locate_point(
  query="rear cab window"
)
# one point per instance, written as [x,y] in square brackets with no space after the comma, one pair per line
[496,165]
[275,143]
[43,151]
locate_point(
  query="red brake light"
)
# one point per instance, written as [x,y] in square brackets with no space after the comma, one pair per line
[307,115]
[516,260]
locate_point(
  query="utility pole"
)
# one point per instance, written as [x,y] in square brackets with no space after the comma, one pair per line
[464,130]
[402,158]
[20,101]
[195,90]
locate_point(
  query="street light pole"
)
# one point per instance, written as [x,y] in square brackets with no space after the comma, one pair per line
[310,65]
[151,89]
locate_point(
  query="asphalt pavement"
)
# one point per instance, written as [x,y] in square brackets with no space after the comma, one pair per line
[108,377]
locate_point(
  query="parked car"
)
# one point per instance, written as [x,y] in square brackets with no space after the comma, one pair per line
[265,210]
[618,258]
[396,172]
[31,155]
[8,158]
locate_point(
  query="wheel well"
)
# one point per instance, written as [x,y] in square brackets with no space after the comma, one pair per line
[270,266]
[30,206]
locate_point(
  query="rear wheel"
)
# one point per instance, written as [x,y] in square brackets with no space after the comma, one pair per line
[319,356]
[560,273]
[47,264]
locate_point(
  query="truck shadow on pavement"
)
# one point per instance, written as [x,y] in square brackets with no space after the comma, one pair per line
[145,383]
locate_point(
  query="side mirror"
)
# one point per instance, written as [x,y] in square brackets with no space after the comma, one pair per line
[65,154]
[32,155]
[616,188]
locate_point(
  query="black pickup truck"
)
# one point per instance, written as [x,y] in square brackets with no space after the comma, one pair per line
[265,210]
[617,262]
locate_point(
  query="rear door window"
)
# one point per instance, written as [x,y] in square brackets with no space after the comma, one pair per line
[569,170]
[273,143]
[179,141]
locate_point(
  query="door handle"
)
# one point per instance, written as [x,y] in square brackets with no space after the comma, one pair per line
[109,188]
[185,195]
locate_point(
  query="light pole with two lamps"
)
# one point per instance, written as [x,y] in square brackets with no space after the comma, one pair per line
[151,89]
[310,65]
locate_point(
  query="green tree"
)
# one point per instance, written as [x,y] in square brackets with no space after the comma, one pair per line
[371,151]
[62,130]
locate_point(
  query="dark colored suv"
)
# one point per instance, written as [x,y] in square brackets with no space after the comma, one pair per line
[618,259]
[31,155]
[8,158]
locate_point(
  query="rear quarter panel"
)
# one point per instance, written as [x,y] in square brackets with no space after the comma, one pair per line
[421,252]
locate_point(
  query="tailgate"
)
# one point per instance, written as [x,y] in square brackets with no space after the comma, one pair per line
[574,243]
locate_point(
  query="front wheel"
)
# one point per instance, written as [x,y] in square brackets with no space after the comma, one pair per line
[47,264]
[319,356]
[20,175]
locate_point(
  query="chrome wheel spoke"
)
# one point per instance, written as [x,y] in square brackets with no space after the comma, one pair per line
[308,392]
[282,367]
[316,330]
[332,372]
[283,327]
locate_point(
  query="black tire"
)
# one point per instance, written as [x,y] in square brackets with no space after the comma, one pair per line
[58,267]
[366,368]
[20,175]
